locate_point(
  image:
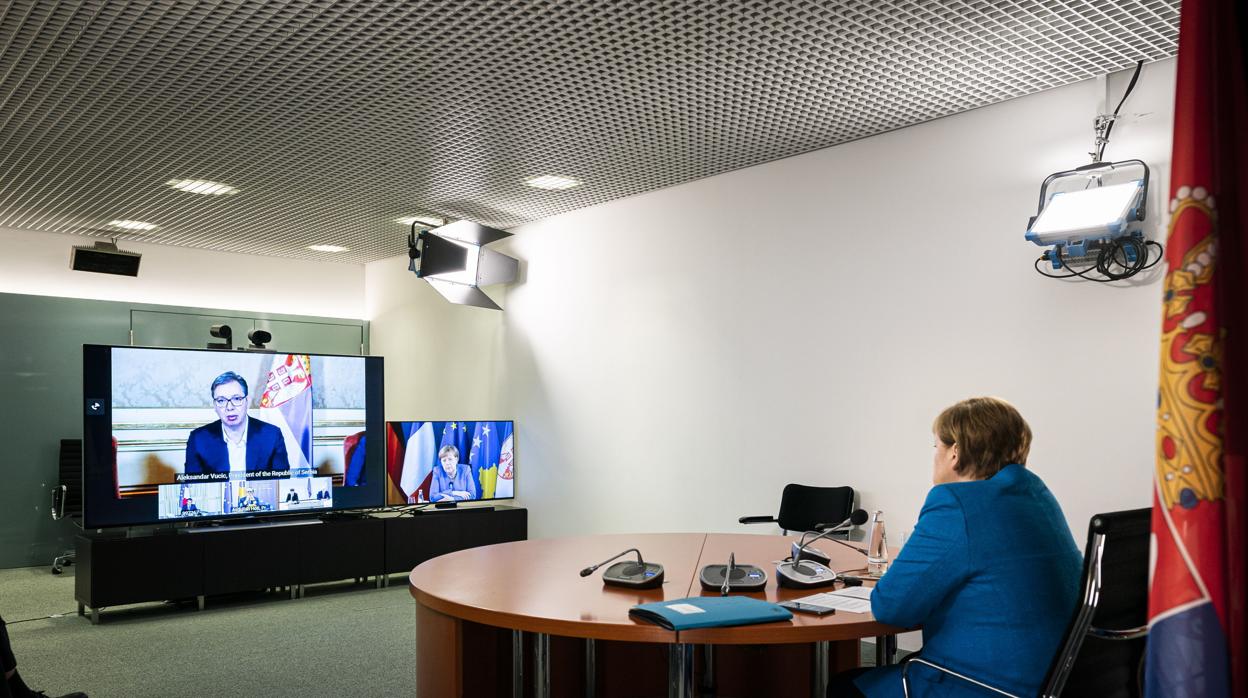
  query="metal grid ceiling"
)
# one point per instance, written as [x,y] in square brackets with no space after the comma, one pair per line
[335,118]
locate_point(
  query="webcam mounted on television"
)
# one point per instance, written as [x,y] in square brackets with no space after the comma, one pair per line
[258,339]
[222,332]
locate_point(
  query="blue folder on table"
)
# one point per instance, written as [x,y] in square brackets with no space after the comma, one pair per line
[709,612]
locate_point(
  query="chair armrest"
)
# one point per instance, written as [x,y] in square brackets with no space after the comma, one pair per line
[905,678]
[1126,634]
[756,519]
[59,493]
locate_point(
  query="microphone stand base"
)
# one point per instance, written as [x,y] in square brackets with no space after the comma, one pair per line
[634,575]
[744,578]
[810,575]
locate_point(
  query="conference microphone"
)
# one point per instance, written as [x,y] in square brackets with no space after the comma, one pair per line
[808,568]
[732,577]
[590,570]
[635,575]
[799,551]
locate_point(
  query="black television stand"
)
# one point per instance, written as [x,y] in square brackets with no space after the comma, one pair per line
[157,566]
[342,516]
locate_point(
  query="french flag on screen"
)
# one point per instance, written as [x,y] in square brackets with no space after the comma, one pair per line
[418,458]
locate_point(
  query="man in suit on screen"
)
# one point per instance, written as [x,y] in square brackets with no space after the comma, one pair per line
[235,443]
[249,500]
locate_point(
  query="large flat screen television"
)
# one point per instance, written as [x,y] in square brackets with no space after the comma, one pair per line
[450,461]
[188,434]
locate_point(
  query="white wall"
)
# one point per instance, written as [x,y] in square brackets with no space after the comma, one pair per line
[37,263]
[441,359]
[673,359]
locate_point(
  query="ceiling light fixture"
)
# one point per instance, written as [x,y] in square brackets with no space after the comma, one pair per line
[553,182]
[132,225]
[328,248]
[202,186]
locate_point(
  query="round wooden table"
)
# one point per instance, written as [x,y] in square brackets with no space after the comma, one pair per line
[475,608]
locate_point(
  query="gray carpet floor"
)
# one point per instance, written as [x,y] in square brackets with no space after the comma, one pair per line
[339,640]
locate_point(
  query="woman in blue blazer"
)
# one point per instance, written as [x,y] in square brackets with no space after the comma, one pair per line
[991,571]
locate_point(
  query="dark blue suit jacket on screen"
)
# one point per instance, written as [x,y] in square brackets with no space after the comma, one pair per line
[992,574]
[206,451]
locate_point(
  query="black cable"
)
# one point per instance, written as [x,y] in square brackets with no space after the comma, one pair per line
[1109,256]
[1139,65]
[54,615]
[1105,262]
[400,509]
[415,509]
[1130,86]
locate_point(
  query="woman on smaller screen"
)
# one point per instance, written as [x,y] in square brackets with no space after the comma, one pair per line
[453,481]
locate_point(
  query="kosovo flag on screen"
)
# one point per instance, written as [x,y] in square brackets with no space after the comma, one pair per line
[483,456]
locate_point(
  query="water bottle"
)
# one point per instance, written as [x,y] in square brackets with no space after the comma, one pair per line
[877,546]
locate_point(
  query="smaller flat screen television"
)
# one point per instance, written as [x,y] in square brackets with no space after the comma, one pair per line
[450,461]
[186,434]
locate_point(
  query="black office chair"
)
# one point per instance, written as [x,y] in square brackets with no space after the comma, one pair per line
[803,507]
[67,496]
[1094,660]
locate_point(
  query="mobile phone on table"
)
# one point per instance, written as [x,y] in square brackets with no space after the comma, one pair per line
[810,608]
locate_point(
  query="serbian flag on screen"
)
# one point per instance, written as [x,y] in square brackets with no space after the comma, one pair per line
[287,404]
[1196,599]
[506,486]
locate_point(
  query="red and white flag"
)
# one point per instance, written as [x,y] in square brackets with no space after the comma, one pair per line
[287,404]
[1196,644]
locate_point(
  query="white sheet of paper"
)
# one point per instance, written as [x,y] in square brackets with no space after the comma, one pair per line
[838,601]
[854,592]
[685,608]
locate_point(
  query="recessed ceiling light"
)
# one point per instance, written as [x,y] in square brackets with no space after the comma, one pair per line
[552,182]
[427,220]
[328,248]
[132,225]
[202,186]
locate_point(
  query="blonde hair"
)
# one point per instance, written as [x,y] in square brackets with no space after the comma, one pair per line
[989,432]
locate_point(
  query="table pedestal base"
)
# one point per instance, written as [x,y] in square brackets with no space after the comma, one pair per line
[455,657]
